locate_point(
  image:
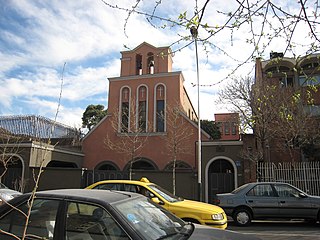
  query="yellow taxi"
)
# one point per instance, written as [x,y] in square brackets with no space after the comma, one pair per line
[188,210]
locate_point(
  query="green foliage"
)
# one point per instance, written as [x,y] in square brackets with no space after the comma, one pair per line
[211,128]
[92,115]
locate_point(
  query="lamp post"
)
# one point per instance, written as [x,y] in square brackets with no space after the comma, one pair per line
[194,33]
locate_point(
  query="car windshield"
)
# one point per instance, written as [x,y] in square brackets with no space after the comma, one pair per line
[2,186]
[165,194]
[151,221]
[239,189]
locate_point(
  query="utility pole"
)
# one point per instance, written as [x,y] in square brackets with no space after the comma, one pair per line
[194,33]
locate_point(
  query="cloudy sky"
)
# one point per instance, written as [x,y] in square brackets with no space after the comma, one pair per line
[41,40]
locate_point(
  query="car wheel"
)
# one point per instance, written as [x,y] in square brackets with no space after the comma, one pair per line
[242,217]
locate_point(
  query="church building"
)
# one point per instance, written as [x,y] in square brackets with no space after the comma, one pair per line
[151,122]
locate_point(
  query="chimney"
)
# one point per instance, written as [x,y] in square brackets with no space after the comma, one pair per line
[276,55]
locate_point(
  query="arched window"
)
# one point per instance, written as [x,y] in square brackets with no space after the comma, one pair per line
[160,96]
[180,165]
[150,63]
[141,163]
[125,109]
[142,108]
[107,166]
[139,64]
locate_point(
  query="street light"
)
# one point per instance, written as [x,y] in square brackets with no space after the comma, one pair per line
[194,33]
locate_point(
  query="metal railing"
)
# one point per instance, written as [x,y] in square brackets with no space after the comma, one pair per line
[304,175]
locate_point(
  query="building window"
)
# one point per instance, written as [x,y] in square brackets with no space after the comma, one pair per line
[125,109]
[233,128]
[160,116]
[286,82]
[139,64]
[226,128]
[219,124]
[160,108]
[311,65]
[142,121]
[309,81]
[142,109]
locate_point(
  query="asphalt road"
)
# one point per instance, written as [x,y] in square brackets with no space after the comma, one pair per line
[280,230]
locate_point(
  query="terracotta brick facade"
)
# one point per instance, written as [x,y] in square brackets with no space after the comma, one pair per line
[146,75]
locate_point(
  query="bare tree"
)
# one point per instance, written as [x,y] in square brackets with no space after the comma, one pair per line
[9,148]
[237,96]
[255,24]
[255,106]
[131,133]
[36,176]
[273,113]
[178,137]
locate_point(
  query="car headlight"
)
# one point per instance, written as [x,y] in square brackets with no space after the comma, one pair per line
[217,216]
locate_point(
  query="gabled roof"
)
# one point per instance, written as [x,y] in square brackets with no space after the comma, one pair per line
[194,124]
[96,126]
[145,44]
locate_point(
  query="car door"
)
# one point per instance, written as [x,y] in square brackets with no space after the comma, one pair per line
[263,201]
[292,204]
[85,221]
[42,221]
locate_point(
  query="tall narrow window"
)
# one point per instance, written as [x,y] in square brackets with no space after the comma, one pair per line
[139,64]
[233,128]
[226,128]
[125,109]
[160,108]
[150,63]
[142,109]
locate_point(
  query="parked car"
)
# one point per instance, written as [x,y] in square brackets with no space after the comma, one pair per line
[191,211]
[268,200]
[7,194]
[81,214]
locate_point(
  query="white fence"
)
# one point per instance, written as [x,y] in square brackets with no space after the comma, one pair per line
[304,175]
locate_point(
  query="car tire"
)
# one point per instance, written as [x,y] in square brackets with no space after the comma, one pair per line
[242,217]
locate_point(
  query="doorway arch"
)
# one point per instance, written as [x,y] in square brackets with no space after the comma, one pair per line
[14,174]
[220,176]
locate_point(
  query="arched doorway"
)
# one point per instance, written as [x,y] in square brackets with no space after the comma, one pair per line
[221,177]
[13,176]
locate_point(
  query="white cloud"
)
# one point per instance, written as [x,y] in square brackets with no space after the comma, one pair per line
[89,35]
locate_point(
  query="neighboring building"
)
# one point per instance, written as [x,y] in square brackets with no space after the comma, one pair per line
[32,141]
[229,126]
[292,76]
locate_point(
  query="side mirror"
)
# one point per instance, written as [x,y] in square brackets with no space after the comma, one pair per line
[302,195]
[157,201]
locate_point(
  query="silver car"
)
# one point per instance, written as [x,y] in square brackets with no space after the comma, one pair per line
[82,214]
[268,200]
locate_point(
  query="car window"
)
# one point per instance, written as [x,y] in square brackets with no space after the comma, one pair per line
[148,220]
[239,189]
[41,221]
[286,191]
[110,186]
[261,190]
[131,188]
[89,222]
[164,193]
